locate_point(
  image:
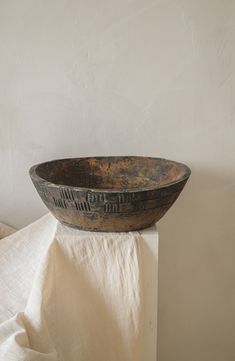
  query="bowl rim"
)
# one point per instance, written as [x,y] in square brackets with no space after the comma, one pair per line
[34,176]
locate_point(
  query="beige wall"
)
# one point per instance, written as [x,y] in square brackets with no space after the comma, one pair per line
[134,77]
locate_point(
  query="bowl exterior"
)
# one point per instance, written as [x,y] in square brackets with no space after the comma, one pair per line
[97,210]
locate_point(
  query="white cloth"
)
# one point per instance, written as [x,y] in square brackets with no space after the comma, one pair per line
[71,295]
[6,230]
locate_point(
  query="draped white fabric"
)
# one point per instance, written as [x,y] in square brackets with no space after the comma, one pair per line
[72,295]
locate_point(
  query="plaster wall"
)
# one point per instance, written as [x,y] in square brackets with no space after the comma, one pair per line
[144,77]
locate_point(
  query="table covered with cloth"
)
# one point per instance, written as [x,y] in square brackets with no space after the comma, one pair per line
[67,294]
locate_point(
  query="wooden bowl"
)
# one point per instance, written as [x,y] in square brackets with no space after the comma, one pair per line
[111,194]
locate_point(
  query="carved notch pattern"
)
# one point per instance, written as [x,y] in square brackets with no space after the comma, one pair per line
[67,194]
[60,203]
[95,197]
[111,208]
[125,198]
[82,206]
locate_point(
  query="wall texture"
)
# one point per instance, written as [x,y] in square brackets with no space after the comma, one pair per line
[147,77]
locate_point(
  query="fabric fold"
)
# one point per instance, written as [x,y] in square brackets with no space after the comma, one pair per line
[78,295]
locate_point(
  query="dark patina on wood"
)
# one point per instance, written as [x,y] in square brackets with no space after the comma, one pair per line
[110,194]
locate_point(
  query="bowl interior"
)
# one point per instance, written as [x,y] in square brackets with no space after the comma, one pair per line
[113,173]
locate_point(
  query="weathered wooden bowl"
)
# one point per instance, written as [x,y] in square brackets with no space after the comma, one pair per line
[109,193]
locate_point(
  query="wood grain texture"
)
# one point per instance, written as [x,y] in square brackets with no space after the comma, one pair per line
[109,193]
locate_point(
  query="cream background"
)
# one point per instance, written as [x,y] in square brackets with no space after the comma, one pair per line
[134,77]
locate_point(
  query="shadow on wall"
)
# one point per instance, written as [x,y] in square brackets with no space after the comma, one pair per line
[197,273]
